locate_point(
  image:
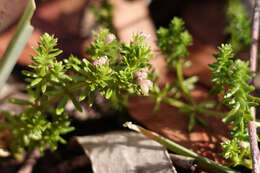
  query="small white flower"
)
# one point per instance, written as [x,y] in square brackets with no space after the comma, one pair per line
[243,144]
[146,85]
[141,75]
[101,61]
[146,36]
[110,38]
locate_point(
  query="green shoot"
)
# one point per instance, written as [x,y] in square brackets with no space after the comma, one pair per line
[239,25]
[173,43]
[230,80]
[103,14]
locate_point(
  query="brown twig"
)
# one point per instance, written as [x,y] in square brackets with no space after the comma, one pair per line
[253,64]
[30,162]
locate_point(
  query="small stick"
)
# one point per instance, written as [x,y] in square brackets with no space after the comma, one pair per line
[253,65]
[203,162]
[30,162]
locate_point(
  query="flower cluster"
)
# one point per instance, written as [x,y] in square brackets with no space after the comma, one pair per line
[145,35]
[141,77]
[101,61]
[110,38]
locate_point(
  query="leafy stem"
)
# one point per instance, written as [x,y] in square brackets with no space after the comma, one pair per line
[173,42]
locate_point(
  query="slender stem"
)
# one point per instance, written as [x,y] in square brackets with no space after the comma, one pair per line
[180,82]
[178,149]
[253,64]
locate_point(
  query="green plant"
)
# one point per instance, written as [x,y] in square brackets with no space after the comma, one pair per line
[117,70]
[173,43]
[52,83]
[230,80]
[103,14]
[239,25]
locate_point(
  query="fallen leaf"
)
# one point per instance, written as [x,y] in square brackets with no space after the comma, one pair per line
[121,151]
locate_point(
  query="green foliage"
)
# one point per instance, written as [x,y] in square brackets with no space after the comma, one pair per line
[230,79]
[116,71]
[239,25]
[52,83]
[174,41]
[221,68]
[104,14]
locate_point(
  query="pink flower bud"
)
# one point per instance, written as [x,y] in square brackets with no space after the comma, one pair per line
[101,61]
[110,38]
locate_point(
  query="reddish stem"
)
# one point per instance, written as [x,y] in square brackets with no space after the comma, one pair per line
[253,64]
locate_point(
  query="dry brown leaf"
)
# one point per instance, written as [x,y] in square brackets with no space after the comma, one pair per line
[120,151]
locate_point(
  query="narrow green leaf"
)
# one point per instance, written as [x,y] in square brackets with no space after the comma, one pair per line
[84,94]
[109,93]
[36,81]
[55,92]
[44,86]
[43,71]
[29,73]
[248,117]
[208,104]
[76,103]
[201,121]
[26,140]
[91,99]
[191,122]
[19,101]
[228,118]
[156,105]
[61,106]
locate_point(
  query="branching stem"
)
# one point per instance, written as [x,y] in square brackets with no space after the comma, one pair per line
[180,104]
